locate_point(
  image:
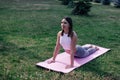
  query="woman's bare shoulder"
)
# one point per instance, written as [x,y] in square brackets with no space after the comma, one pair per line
[59,33]
[74,33]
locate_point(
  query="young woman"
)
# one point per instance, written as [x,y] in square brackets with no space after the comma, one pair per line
[67,38]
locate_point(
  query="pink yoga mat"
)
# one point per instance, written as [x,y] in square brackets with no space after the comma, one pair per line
[63,59]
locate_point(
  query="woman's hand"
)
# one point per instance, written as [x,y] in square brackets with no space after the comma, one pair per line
[68,66]
[51,61]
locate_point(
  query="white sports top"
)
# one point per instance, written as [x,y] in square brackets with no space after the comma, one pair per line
[65,41]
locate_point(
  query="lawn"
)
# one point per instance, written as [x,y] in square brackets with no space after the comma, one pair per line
[28,31]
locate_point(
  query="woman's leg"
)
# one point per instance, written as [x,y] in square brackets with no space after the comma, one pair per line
[92,50]
[87,47]
[80,51]
[89,52]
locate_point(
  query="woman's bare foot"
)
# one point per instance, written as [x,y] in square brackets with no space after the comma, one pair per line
[96,48]
[90,46]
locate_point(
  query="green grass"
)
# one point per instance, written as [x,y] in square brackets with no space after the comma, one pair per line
[28,31]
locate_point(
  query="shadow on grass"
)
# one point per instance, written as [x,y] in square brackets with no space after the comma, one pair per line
[5,46]
[95,68]
[7,49]
[12,56]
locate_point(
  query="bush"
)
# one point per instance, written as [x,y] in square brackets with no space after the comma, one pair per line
[97,1]
[65,2]
[71,4]
[106,2]
[117,3]
[82,7]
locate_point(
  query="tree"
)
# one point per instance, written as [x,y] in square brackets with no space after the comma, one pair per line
[82,7]
[65,2]
[117,3]
[71,4]
[106,2]
[97,1]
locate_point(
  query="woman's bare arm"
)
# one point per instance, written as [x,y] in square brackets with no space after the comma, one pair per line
[73,49]
[57,48]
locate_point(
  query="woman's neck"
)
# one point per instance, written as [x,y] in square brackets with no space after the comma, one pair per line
[66,32]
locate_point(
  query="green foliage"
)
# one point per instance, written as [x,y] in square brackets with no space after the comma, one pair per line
[97,1]
[106,2]
[71,4]
[117,3]
[65,2]
[82,7]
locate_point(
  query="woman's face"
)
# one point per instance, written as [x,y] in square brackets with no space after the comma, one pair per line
[64,25]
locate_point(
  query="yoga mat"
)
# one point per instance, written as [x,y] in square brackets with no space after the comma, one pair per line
[63,59]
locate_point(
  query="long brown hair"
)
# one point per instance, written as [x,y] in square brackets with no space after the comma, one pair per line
[69,20]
